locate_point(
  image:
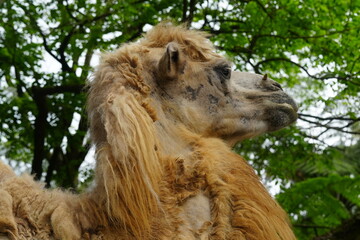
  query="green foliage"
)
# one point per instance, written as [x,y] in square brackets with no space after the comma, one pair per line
[310,47]
[319,204]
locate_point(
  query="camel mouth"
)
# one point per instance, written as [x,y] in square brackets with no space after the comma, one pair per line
[281,116]
[284,103]
[293,112]
[278,98]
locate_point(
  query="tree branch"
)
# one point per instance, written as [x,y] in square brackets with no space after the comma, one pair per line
[191,7]
[78,88]
[37,28]
[39,133]
[263,8]
[40,126]
[329,118]
[340,129]
[340,78]
[310,226]
[321,141]
[297,36]
[191,11]
[184,10]
[61,50]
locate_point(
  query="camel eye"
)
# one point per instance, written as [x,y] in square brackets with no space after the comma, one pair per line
[224,72]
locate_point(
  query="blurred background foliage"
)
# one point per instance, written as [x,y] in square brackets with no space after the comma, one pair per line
[48,49]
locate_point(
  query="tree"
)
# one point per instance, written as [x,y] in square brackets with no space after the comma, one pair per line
[310,47]
[46,102]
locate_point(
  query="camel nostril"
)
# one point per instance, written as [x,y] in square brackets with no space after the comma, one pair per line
[278,86]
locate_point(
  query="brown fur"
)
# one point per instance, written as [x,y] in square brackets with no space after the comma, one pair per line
[161,154]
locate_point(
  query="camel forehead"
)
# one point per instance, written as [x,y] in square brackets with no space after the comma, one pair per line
[195,44]
[162,34]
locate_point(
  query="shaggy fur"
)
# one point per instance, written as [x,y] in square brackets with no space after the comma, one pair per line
[163,114]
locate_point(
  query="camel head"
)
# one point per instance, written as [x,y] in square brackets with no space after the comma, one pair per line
[200,90]
[212,100]
[148,98]
[177,77]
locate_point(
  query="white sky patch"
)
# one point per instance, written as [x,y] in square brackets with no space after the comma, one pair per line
[63,144]
[224,5]
[43,26]
[87,164]
[198,24]
[49,64]
[95,60]
[78,72]
[89,158]
[74,126]
[273,187]
[111,35]
[147,27]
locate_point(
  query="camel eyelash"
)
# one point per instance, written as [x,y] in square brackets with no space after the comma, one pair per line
[223,71]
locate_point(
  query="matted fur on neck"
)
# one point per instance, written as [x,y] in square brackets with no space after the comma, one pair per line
[128,168]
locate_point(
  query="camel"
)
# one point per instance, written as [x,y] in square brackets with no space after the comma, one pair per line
[164,113]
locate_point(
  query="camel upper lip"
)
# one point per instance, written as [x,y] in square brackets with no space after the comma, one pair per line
[279,97]
[293,104]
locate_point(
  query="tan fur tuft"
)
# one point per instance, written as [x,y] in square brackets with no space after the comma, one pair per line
[194,43]
[128,165]
[128,168]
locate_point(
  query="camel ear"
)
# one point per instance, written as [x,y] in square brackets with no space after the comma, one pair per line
[172,63]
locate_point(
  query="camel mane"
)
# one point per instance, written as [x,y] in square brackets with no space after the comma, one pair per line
[128,166]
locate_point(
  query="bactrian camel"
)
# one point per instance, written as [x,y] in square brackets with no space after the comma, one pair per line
[164,114]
